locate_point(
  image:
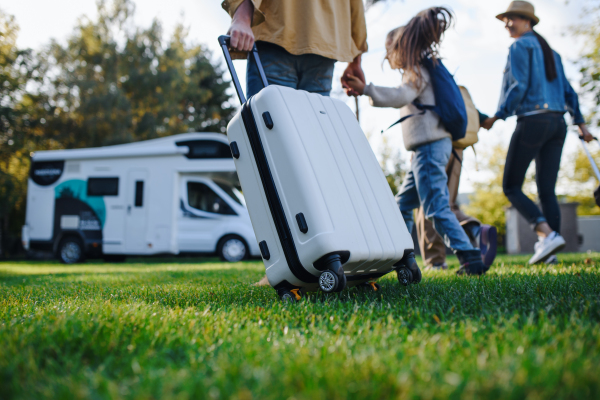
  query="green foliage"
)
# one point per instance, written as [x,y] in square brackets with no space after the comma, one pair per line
[18,68]
[590,59]
[200,330]
[488,203]
[580,181]
[392,164]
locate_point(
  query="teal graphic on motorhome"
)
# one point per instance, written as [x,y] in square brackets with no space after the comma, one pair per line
[77,189]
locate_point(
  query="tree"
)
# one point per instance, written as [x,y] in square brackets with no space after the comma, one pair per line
[18,69]
[579,181]
[117,83]
[590,59]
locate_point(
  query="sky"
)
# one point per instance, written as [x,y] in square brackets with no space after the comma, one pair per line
[475,50]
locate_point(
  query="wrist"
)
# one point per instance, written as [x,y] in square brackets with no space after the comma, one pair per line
[244,12]
[242,18]
[365,89]
[357,60]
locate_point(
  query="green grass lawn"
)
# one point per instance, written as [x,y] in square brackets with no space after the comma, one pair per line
[189,329]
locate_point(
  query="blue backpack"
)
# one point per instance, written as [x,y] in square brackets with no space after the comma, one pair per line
[450,105]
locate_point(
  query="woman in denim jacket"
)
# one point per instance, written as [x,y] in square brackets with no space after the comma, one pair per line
[536,90]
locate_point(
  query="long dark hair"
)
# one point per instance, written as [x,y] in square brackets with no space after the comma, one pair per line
[420,38]
[549,61]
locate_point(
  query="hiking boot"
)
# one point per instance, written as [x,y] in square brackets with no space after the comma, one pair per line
[547,247]
[488,243]
[471,262]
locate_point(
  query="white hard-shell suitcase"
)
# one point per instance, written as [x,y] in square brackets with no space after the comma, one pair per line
[321,208]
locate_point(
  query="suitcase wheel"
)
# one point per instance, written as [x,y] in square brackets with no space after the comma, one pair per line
[333,278]
[408,270]
[289,296]
[329,281]
[405,277]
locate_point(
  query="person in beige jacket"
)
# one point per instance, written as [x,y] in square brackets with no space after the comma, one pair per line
[299,41]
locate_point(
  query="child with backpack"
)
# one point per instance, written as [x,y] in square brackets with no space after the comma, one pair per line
[414,50]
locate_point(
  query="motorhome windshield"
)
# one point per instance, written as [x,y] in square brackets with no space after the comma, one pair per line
[232,192]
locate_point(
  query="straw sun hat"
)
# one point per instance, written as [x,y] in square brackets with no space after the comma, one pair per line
[522,9]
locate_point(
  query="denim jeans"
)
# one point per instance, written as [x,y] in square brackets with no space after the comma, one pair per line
[426,184]
[540,137]
[309,72]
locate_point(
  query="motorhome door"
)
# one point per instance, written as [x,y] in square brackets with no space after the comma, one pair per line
[136,215]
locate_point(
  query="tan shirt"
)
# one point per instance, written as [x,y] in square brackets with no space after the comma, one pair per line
[417,130]
[334,29]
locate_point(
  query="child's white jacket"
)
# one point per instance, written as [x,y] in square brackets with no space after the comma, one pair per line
[419,129]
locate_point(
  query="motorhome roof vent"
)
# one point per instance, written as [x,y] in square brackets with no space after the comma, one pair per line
[202,149]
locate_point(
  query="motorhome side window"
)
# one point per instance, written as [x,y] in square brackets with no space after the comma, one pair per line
[103,187]
[229,190]
[203,198]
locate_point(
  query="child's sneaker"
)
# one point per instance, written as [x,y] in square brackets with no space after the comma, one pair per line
[471,262]
[547,247]
[488,243]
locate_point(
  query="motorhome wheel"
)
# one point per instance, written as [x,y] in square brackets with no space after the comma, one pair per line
[232,249]
[70,250]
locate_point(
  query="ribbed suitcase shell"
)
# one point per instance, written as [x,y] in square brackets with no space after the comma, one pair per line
[323,167]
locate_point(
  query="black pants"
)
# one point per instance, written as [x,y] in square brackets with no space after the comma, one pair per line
[540,137]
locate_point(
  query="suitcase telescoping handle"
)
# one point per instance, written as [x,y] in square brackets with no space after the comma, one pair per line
[589,156]
[224,42]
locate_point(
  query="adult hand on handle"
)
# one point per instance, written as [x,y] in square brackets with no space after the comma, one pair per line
[354,70]
[242,38]
[585,134]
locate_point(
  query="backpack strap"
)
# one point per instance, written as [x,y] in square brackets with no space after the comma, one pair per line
[455,153]
[423,108]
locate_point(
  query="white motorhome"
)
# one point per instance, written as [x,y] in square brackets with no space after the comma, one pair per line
[174,195]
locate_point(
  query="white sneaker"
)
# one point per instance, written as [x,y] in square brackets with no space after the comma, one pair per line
[547,247]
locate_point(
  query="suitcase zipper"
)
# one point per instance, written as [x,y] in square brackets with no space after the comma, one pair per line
[281,223]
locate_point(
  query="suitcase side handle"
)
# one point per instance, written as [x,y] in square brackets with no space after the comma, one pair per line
[224,41]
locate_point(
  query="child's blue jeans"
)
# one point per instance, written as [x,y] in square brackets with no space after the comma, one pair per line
[427,184]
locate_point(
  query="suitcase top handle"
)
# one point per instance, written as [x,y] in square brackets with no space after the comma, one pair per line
[224,42]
